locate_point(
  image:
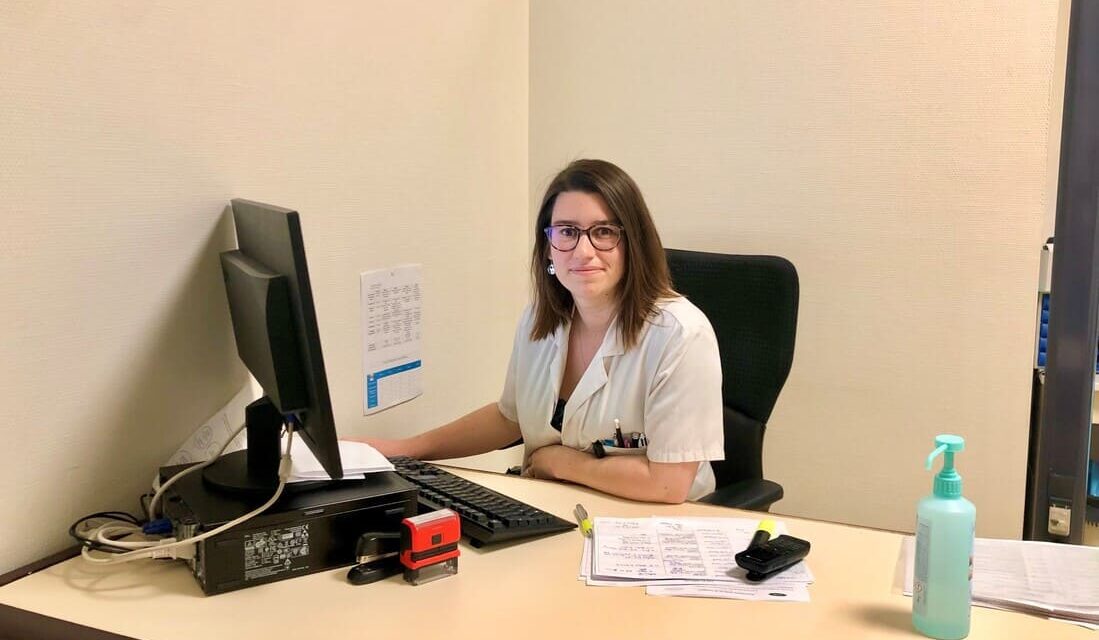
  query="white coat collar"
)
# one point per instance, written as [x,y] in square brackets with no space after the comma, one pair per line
[595,377]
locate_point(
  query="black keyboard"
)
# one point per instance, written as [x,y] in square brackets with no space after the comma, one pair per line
[487,516]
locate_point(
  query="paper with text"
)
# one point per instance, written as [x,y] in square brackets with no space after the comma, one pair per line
[1047,578]
[392,324]
[216,431]
[694,549]
[770,591]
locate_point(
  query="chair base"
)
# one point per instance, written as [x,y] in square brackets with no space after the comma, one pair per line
[754,495]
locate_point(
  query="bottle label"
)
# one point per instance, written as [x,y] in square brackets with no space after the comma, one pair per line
[972,535]
[923,560]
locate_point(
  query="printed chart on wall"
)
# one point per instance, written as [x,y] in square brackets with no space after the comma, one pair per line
[391,312]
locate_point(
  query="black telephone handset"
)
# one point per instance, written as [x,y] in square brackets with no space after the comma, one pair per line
[776,555]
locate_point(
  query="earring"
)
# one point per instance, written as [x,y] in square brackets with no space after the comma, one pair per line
[551,269]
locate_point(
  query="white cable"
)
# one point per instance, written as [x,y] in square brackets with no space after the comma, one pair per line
[167,548]
[150,511]
[103,534]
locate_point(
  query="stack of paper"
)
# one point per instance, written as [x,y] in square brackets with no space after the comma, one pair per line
[1050,579]
[357,458]
[684,557]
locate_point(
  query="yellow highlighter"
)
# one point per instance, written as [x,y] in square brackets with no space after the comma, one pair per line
[763,533]
[585,522]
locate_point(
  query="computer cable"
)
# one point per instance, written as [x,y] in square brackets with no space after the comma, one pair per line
[112,535]
[86,536]
[161,488]
[185,549]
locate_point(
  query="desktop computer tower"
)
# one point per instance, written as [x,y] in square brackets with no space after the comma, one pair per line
[313,526]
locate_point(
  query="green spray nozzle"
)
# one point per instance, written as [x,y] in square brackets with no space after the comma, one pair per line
[948,443]
[947,482]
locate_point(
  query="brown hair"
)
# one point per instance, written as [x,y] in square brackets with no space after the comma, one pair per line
[646,278]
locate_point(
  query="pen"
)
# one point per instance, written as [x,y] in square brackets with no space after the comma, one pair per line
[618,440]
[763,533]
[585,522]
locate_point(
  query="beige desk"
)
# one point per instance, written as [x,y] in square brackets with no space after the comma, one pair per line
[526,590]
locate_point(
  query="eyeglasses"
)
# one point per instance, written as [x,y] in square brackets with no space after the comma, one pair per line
[565,237]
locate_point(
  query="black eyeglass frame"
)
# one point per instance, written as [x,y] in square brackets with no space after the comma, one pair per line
[585,232]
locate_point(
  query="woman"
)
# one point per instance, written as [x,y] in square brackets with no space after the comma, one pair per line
[606,343]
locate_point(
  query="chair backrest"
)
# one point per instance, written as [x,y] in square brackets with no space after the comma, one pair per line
[752,303]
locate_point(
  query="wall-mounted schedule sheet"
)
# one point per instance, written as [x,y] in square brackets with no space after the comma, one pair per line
[392,306]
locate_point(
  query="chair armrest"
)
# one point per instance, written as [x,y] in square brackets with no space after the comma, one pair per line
[755,495]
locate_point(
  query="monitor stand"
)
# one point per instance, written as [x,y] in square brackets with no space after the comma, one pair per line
[255,470]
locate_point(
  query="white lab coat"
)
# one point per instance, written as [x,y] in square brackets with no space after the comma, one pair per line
[668,386]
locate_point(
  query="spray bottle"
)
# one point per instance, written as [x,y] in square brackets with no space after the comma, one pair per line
[942,590]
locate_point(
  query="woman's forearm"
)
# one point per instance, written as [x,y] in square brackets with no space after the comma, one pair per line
[634,477]
[477,432]
[480,431]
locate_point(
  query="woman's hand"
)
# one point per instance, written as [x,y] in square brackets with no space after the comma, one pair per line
[550,462]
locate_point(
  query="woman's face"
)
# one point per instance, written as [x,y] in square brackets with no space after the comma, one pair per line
[591,275]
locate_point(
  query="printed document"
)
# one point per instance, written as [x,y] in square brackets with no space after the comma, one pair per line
[684,557]
[392,306]
[1047,578]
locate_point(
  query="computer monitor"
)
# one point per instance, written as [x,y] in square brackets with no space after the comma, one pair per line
[275,325]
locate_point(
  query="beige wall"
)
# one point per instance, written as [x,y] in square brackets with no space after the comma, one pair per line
[897,153]
[399,130]
[1057,100]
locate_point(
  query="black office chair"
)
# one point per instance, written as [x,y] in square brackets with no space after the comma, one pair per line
[752,303]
